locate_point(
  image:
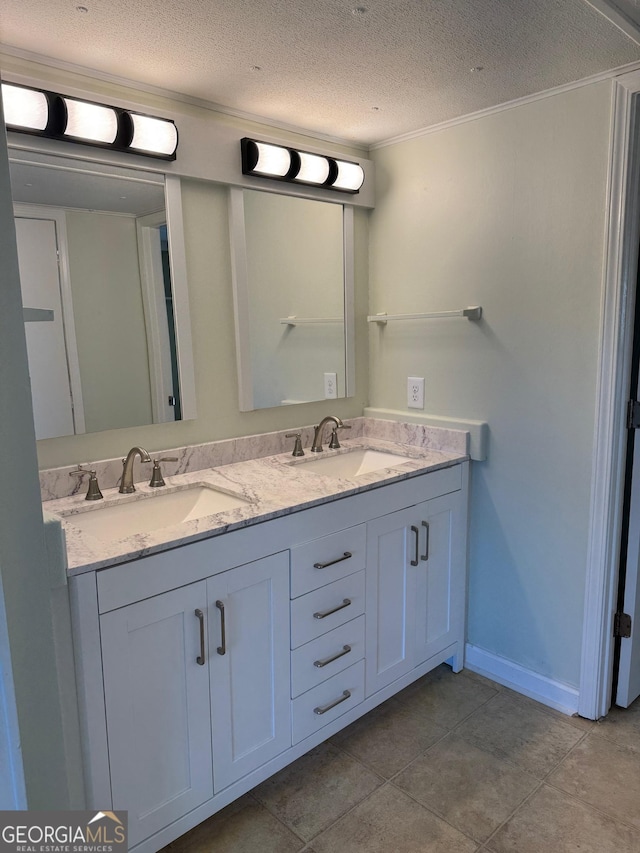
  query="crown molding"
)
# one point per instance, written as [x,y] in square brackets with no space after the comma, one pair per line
[508,105]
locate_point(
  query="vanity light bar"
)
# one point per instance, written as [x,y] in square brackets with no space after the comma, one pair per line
[62,117]
[262,159]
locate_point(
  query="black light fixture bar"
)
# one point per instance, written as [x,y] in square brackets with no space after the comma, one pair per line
[70,119]
[281,163]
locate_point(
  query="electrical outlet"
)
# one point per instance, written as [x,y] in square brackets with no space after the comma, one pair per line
[415,392]
[330,386]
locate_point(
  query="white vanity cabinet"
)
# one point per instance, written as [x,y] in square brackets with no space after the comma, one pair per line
[157,708]
[415,588]
[204,669]
[196,687]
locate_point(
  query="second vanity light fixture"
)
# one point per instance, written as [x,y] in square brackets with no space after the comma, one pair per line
[263,159]
[54,116]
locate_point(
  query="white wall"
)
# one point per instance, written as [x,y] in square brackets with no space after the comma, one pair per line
[508,212]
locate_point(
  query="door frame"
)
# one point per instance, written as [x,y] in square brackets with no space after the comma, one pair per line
[155,315]
[612,392]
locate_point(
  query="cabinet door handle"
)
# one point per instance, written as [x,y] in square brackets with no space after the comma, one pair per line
[201,658]
[322,614]
[325,661]
[222,650]
[346,556]
[416,532]
[322,709]
[425,556]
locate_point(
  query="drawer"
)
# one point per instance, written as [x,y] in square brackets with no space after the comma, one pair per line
[329,654]
[320,706]
[326,608]
[317,563]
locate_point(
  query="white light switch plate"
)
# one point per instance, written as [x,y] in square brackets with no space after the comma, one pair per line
[415,392]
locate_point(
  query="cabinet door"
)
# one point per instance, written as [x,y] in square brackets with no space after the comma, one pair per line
[249,664]
[440,579]
[415,587]
[390,597]
[157,707]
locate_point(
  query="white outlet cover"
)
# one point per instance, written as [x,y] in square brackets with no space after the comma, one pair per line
[415,392]
[330,386]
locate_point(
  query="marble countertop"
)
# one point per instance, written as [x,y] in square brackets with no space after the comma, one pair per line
[272,486]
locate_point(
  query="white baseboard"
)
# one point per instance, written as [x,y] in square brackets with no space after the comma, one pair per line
[554,694]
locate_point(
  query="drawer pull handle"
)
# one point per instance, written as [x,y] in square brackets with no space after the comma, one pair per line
[200,616]
[323,709]
[222,650]
[346,556]
[321,663]
[322,614]
[425,556]
[415,530]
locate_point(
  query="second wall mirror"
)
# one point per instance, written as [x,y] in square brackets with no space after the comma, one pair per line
[293,290]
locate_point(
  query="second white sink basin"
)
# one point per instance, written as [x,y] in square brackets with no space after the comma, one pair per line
[354,463]
[152,512]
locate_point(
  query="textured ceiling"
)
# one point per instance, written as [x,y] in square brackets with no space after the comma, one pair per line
[361,70]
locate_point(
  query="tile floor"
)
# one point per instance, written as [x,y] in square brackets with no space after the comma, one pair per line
[453,764]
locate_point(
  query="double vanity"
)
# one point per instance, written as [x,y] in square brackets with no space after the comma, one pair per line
[230,621]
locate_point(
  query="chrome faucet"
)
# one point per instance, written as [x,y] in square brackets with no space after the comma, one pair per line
[316,447]
[126,483]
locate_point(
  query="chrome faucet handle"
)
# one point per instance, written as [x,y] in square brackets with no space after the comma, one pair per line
[157,479]
[93,492]
[334,444]
[297,447]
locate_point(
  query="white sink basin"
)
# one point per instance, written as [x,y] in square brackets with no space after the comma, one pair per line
[354,463]
[152,512]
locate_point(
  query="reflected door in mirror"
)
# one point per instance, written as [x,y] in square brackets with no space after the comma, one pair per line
[53,403]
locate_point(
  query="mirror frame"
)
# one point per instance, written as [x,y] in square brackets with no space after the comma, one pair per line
[240,280]
[178,265]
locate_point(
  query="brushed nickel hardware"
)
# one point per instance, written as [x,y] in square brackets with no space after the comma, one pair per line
[346,556]
[334,444]
[222,650]
[416,559]
[316,447]
[201,657]
[157,479]
[326,661]
[425,556]
[126,483]
[93,492]
[322,614]
[297,447]
[322,709]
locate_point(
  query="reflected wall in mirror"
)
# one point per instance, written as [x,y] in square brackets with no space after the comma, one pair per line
[293,286]
[109,341]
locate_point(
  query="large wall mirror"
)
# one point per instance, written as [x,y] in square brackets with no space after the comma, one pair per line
[293,289]
[103,277]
